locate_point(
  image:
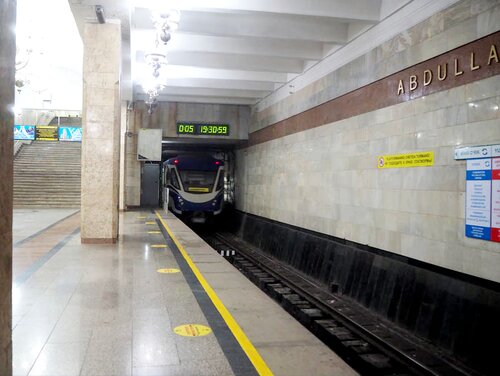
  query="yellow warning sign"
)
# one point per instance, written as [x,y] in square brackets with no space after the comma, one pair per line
[47,132]
[154,232]
[168,271]
[420,159]
[192,330]
[151,223]
[158,246]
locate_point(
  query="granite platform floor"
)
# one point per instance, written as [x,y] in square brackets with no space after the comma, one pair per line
[107,310]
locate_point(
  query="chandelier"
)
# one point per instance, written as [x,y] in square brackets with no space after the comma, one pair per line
[165,24]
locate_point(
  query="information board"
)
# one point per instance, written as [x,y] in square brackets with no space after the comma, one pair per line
[24,132]
[482,217]
[47,133]
[70,134]
[195,129]
[495,200]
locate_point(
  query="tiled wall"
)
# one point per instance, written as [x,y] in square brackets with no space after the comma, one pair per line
[464,22]
[326,179]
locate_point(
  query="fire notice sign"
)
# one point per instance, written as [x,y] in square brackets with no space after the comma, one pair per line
[482,217]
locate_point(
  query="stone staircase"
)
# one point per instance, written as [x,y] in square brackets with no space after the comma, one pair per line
[48,174]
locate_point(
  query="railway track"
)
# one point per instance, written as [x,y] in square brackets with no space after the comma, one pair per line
[369,344]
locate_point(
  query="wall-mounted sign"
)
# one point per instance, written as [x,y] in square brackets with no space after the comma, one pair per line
[196,129]
[420,159]
[70,134]
[482,208]
[47,133]
[24,132]
[472,152]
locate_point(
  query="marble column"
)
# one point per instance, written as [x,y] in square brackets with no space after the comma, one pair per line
[132,165]
[7,73]
[123,136]
[101,132]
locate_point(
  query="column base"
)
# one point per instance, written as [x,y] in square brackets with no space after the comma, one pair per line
[98,240]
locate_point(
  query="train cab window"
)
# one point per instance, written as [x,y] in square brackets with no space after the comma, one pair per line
[165,177]
[220,182]
[198,181]
[173,179]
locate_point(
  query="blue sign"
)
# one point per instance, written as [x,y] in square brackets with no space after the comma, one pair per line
[24,132]
[70,134]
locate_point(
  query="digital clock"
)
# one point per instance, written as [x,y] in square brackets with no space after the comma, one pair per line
[203,129]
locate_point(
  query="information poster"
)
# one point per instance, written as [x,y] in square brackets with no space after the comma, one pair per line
[478,196]
[495,200]
[24,132]
[47,133]
[70,134]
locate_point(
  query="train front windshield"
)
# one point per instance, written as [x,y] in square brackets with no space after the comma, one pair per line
[198,181]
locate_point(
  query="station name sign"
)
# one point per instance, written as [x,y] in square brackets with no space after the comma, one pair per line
[455,67]
[197,129]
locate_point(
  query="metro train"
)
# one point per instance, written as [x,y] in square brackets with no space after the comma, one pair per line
[194,186]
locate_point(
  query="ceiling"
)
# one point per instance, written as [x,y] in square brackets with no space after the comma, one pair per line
[235,51]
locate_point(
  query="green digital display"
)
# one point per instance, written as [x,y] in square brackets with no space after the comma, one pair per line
[196,129]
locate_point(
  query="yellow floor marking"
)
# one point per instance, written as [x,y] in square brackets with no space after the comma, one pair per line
[168,271]
[158,246]
[247,346]
[154,232]
[150,223]
[192,330]
[141,217]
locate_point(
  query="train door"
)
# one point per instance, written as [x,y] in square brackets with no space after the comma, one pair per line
[165,191]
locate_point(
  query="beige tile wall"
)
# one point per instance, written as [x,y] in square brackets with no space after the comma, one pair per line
[460,24]
[326,179]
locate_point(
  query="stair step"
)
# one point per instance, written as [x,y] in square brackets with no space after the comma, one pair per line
[48,174]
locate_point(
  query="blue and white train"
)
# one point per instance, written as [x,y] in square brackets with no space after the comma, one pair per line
[194,186]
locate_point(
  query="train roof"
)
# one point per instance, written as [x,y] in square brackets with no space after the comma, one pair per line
[195,162]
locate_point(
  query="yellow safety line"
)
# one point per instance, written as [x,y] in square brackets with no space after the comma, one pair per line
[247,346]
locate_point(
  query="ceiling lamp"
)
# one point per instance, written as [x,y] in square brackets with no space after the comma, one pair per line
[165,24]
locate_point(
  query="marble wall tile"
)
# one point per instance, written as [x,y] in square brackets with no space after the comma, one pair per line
[461,34]
[482,132]
[487,20]
[485,109]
